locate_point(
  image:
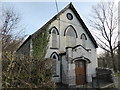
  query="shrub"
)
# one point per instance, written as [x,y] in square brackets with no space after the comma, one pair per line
[28,73]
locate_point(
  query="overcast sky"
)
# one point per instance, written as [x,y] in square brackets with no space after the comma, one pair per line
[36,14]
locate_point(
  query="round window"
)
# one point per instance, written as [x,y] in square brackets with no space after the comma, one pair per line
[69,16]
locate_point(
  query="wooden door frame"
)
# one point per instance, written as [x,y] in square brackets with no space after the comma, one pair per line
[85,65]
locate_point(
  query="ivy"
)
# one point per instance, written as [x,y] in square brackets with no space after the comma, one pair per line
[40,44]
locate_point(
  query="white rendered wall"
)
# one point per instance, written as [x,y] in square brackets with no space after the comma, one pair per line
[64,23]
[64,70]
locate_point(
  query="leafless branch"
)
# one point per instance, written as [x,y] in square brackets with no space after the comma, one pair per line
[104,20]
[10,31]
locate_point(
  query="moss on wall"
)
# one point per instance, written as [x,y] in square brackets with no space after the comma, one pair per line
[40,44]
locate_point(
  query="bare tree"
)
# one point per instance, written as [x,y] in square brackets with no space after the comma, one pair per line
[11,32]
[119,55]
[104,23]
[119,36]
[104,60]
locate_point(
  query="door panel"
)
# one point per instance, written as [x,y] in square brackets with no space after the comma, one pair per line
[80,72]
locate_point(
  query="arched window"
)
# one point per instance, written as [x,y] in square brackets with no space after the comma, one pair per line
[55,56]
[71,36]
[54,37]
[84,38]
[70,32]
[54,31]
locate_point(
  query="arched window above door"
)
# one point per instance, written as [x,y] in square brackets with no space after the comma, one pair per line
[70,31]
[71,36]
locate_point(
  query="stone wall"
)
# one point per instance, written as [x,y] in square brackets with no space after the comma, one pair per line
[24,50]
[104,74]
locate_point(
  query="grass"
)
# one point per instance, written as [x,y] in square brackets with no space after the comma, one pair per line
[116,74]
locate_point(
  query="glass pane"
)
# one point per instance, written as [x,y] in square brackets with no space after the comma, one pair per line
[71,32]
[54,57]
[54,40]
[54,31]
[83,37]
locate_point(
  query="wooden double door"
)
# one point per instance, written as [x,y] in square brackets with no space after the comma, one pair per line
[80,71]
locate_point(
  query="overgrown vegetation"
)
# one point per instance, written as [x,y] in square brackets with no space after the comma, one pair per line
[11,31]
[105,60]
[27,71]
[40,43]
[30,72]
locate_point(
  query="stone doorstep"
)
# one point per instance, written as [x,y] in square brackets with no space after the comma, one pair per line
[82,86]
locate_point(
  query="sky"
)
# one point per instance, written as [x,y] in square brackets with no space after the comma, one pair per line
[35,14]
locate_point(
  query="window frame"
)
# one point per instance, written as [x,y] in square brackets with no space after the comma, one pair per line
[83,39]
[54,37]
[65,31]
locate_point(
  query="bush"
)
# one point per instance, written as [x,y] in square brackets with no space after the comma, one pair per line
[28,73]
